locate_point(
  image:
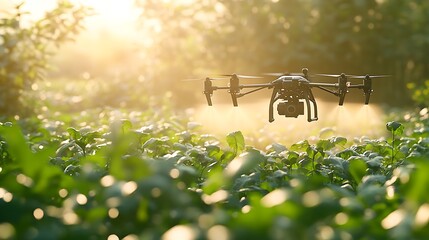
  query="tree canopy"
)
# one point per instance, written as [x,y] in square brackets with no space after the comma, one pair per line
[358,37]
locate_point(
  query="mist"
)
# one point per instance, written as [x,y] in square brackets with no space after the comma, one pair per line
[352,120]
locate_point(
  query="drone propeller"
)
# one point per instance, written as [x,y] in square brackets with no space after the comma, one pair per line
[333,75]
[370,76]
[241,76]
[279,74]
[304,73]
[203,79]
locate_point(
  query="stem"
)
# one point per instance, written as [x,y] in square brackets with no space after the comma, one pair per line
[393,146]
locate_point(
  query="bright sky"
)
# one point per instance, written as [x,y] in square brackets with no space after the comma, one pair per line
[117,15]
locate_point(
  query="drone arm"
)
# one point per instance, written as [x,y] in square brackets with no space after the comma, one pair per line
[323,85]
[328,90]
[262,85]
[252,91]
[217,88]
[358,86]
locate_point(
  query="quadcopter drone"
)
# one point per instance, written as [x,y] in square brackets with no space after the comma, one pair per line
[292,90]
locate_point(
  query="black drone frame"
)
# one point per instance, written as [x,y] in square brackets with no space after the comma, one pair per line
[293,91]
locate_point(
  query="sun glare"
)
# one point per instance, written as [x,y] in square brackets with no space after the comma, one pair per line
[109,15]
[113,14]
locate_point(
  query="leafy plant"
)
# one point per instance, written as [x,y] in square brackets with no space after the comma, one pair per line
[164,178]
[396,129]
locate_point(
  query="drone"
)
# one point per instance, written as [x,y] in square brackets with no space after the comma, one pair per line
[292,91]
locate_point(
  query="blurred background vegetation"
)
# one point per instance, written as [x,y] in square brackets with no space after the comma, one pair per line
[146,47]
[92,85]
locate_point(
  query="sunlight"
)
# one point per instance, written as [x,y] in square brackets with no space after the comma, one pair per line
[110,15]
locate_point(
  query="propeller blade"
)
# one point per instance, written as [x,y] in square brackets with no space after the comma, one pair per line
[370,76]
[278,74]
[202,79]
[241,76]
[332,75]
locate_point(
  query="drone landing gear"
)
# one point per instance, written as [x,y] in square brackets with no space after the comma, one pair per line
[293,101]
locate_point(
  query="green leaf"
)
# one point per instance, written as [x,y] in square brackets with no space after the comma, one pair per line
[325,145]
[357,169]
[292,157]
[395,127]
[347,153]
[339,141]
[126,125]
[300,146]
[311,151]
[235,141]
[276,147]
[215,181]
[375,162]
[20,151]
[244,163]
[74,134]
[373,179]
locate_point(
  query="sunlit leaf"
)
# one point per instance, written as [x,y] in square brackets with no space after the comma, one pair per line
[126,125]
[244,163]
[276,147]
[235,141]
[300,146]
[339,140]
[325,145]
[357,169]
[74,134]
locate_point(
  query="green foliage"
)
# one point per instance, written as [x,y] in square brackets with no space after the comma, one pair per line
[151,179]
[361,36]
[420,92]
[235,141]
[25,49]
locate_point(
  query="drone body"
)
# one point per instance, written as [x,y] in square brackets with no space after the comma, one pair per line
[293,91]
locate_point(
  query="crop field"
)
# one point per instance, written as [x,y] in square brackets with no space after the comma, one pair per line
[102,136]
[109,174]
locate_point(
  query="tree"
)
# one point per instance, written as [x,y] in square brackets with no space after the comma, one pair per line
[24,50]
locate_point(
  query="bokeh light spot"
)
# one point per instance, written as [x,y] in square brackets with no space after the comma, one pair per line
[218,232]
[113,213]
[107,181]
[393,219]
[112,237]
[81,199]
[38,213]
[128,188]
[182,232]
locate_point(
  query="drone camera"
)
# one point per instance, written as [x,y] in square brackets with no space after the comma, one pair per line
[291,109]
